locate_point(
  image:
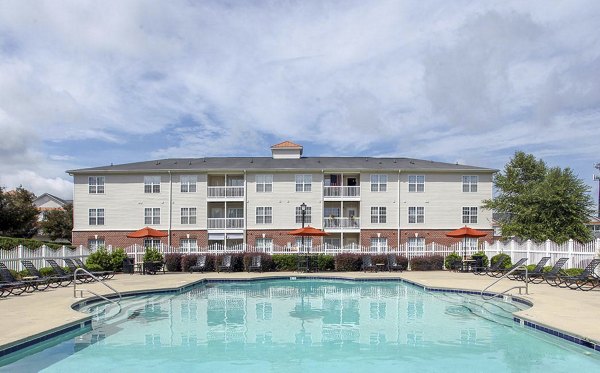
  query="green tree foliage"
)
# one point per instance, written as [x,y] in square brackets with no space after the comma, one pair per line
[18,214]
[539,203]
[58,224]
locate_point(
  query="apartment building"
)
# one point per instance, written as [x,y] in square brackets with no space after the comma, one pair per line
[374,202]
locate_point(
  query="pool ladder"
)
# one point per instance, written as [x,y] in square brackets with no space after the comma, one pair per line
[526,287]
[75,290]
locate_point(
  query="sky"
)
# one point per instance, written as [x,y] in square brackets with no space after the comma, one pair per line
[90,83]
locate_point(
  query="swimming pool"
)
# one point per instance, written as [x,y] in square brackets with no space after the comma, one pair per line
[306,325]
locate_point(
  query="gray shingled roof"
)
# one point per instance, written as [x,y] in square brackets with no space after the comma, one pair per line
[268,163]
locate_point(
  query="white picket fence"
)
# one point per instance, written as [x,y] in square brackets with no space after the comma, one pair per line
[579,254]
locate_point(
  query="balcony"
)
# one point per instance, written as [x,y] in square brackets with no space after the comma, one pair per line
[225,192]
[225,223]
[342,224]
[341,192]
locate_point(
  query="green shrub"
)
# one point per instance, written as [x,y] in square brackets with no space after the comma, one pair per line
[506,262]
[348,262]
[152,255]
[9,243]
[453,262]
[267,262]
[427,263]
[285,262]
[116,259]
[573,271]
[484,258]
[46,271]
[325,262]
[101,258]
[94,268]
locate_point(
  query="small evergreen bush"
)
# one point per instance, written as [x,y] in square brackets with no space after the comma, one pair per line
[152,255]
[427,263]
[173,262]
[506,262]
[348,262]
[453,262]
[285,262]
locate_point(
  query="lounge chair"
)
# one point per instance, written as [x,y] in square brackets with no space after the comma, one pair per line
[551,277]
[539,268]
[392,264]
[255,263]
[367,264]
[53,281]
[502,272]
[200,265]
[18,287]
[81,275]
[104,275]
[486,270]
[225,264]
[587,280]
[59,271]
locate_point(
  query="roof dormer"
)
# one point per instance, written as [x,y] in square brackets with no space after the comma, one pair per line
[286,150]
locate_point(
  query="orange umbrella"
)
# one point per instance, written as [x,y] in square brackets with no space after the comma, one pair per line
[465,232]
[308,231]
[147,232]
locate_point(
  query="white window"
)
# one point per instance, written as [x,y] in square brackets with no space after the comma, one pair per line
[378,183]
[96,244]
[152,215]
[96,216]
[416,215]
[151,184]
[152,242]
[469,215]
[188,183]
[471,244]
[264,245]
[303,183]
[416,183]
[189,244]
[307,216]
[264,183]
[188,215]
[264,215]
[378,245]
[308,244]
[378,215]
[470,183]
[416,244]
[96,184]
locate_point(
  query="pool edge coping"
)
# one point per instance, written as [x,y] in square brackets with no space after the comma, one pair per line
[86,321]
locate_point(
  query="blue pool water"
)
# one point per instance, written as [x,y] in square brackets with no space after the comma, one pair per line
[306,326]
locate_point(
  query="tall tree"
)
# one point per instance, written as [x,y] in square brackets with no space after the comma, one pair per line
[539,203]
[58,224]
[18,214]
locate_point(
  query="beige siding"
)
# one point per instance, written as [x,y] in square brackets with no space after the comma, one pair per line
[443,200]
[284,199]
[388,199]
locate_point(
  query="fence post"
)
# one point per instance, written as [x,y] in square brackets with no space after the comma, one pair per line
[20,253]
[63,250]
[44,252]
[512,250]
[597,247]
[528,250]
[547,247]
[570,251]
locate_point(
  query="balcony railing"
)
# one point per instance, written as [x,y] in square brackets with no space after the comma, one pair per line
[341,223]
[225,192]
[341,191]
[225,223]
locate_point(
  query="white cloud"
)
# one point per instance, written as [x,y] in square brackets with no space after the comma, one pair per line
[419,79]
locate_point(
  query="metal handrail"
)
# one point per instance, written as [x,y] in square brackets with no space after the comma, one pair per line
[88,290]
[526,287]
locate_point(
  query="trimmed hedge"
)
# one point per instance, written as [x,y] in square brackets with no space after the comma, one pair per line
[102,260]
[453,262]
[190,260]
[427,263]
[9,243]
[506,262]
[484,258]
[348,262]
[173,262]
[285,262]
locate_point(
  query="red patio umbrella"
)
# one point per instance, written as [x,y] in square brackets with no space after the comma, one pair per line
[308,231]
[465,232]
[147,232]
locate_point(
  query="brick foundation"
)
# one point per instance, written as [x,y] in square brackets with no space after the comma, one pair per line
[120,239]
[438,236]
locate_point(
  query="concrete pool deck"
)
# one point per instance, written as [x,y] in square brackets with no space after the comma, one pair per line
[33,315]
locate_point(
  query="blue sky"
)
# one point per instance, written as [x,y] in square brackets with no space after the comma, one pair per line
[89,83]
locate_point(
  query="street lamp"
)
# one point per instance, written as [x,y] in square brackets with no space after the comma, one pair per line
[597,178]
[303,212]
